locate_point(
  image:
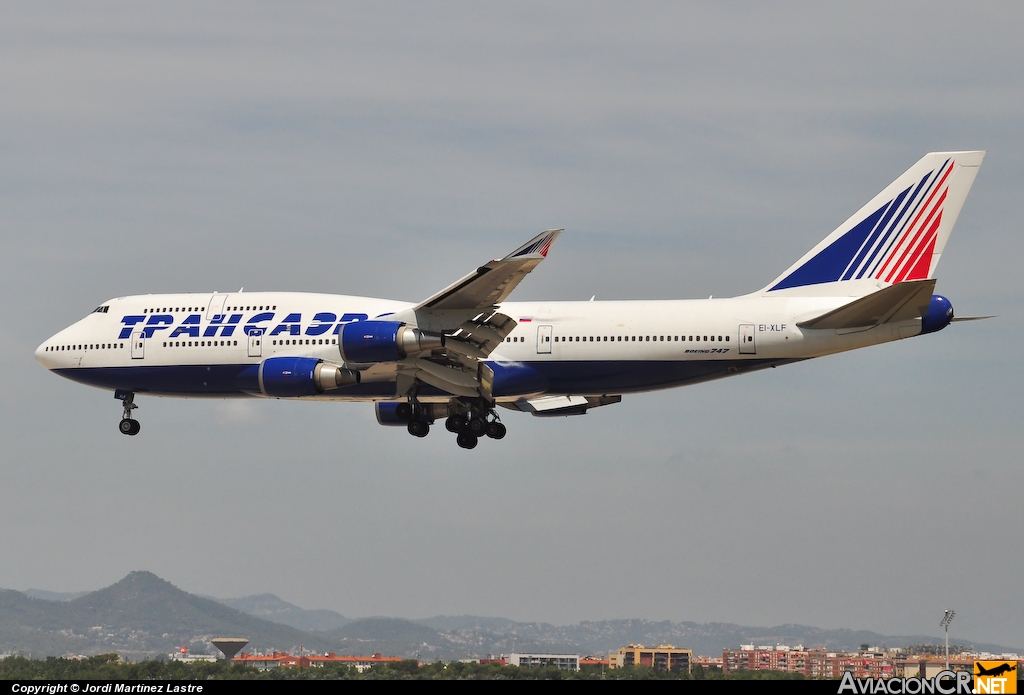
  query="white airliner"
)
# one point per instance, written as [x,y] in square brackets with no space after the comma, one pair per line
[465,350]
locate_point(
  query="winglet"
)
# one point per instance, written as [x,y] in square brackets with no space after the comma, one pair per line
[537,246]
[488,285]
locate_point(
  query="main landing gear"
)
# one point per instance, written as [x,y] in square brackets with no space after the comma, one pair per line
[414,414]
[128,425]
[479,420]
[468,420]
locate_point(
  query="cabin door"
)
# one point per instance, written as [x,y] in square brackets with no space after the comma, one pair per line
[544,340]
[215,306]
[747,345]
[256,342]
[138,345]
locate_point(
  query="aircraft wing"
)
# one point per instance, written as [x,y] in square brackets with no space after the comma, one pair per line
[491,283]
[466,313]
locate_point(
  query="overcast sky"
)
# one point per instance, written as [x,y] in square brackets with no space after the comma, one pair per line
[386,150]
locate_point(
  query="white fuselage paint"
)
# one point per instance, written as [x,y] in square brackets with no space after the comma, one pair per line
[670,331]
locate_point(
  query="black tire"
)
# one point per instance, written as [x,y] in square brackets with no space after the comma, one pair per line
[453,424]
[136,426]
[418,428]
[126,426]
[477,426]
[403,411]
[495,430]
[467,441]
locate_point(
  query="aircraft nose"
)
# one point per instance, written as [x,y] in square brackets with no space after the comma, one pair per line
[43,355]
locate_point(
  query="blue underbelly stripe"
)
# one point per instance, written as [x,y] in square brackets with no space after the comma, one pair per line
[562,377]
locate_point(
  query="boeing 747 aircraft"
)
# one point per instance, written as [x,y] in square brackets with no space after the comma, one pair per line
[464,351]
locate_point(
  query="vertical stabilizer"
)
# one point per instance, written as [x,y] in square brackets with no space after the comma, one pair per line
[897,237]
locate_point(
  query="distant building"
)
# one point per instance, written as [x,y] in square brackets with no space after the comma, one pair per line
[820,663]
[664,657]
[929,666]
[265,662]
[188,658]
[565,662]
[778,658]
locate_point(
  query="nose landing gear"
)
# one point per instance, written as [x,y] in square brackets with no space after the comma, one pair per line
[128,425]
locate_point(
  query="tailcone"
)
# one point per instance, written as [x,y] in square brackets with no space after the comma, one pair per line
[938,316]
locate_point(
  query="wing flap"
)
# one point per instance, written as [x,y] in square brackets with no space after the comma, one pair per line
[561,406]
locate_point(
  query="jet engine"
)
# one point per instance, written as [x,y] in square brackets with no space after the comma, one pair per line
[289,377]
[370,342]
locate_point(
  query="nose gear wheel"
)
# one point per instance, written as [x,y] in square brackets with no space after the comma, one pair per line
[128,425]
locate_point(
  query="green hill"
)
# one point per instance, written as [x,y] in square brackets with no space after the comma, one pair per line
[141,616]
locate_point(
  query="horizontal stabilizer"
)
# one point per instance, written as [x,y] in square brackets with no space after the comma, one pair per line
[902,302]
[971,318]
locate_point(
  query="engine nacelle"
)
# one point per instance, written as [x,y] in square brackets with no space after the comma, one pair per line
[290,377]
[387,412]
[369,342]
[940,313]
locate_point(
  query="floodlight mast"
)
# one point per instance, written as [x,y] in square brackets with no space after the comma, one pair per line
[946,620]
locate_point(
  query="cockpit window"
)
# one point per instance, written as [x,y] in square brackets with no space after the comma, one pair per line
[101,309]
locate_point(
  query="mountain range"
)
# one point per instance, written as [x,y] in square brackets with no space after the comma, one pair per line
[144,616]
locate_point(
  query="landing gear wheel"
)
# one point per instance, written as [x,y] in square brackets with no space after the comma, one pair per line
[454,424]
[418,428]
[127,425]
[477,426]
[495,430]
[467,441]
[403,411]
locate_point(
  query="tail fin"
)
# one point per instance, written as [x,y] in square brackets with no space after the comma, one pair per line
[898,236]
